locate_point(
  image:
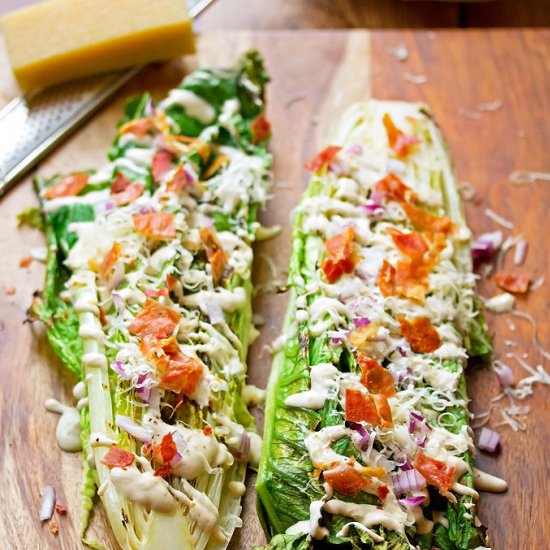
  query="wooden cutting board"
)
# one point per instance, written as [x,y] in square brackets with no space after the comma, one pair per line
[315,76]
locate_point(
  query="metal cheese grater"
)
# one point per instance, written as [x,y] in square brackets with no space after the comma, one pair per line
[31,127]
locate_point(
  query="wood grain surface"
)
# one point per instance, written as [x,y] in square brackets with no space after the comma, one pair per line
[315,75]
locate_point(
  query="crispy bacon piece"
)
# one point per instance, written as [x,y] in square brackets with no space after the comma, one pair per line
[411,244]
[399,141]
[171,282]
[342,256]
[69,186]
[180,180]
[179,372]
[363,334]
[166,450]
[410,280]
[161,165]
[110,260]
[345,479]
[420,333]
[386,279]
[155,320]
[215,253]
[261,129]
[393,189]
[382,492]
[156,225]
[118,458]
[437,473]
[139,127]
[424,220]
[374,376]
[26,261]
[516,283]
[323,158]
[371,408]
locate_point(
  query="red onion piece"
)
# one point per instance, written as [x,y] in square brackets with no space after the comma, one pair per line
[485,245]
[504,374]
[412,502]
[176,460]
[145,435]
[489,440]
[337,167]
[364,436]
[372,208]
[361,321]
[190,176]
[120,368]
[406,481]
[47,504]
[143,388]
[520,252]
[179,440]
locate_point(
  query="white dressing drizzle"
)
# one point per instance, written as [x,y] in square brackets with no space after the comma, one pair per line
[67,432]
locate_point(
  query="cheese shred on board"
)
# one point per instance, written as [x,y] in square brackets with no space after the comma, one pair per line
[367,442]
[147,301]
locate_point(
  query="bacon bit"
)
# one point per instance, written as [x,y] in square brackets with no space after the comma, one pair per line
[323,158]
[393,189]
[215,253]
[155,320]
[118,458]
[179,372]
[166,450]
[215,166]
[411,244]
[410,280]
[363,334]
[420,333]
[139,127]
[345,479]
[60,509]
[69,186]
[155,293]
[10,291]
[516,283]
[400,142]
[179,181]
[437,473]
[207,430]
[54,527]
[161,165]
[261,129]
[26,261]
[171,282]
[110,259]
[156,225]
[382,492]
[124,191]
[360,406]
[374,376]
[102,317]
[424,220]
[342,256]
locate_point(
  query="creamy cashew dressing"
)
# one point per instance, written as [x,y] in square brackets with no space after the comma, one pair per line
[67,432]
[193,105]
[324,381]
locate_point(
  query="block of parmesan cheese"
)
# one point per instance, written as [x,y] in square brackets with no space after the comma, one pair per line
[60,40]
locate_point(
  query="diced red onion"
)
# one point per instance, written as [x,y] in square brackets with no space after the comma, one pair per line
[145,435]
[401,351]
[190,176]
[485,245]
[372,208]
[214,311]
[412,426]
[149,108]
[47,504]
[120,368]
[421,419]
[176,460]
[412,502]
[118,301]
[406,481]
[336,341]
[179,440]
[489,440]
[109,205]
[504,374]
[361,322]
[243,451]
[406,466]
[422,442]
[143,387]
[355,149]
[364,436]
[146,209]
[520,252]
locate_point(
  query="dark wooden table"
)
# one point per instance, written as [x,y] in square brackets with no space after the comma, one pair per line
[307,94]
